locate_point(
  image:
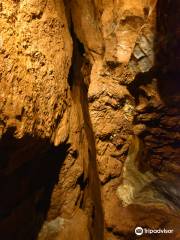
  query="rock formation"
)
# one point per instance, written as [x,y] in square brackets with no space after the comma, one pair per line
[89,123]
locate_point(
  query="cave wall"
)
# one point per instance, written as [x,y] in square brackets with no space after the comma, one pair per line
[133,104]
[48,169]
[89,119]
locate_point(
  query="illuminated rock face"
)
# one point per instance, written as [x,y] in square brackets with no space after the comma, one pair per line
[89,123]
[47,167]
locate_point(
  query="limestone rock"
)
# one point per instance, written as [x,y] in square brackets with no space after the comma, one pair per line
[89,119]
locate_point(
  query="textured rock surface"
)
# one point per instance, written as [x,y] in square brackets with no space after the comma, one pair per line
[35,60]
[128,108]
[86,83]
[47,166]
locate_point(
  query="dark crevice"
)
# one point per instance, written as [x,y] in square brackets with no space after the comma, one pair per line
[81,182]
[90,186]
[141,79]
[31,169]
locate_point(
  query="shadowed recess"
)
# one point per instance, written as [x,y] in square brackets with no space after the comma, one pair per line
[29,169]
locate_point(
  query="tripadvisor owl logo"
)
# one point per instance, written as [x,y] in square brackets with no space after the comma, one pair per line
[139,231]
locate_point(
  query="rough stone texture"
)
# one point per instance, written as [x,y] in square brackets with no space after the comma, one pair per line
[127,108]
[67,68]
[36,54]
[47,165]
